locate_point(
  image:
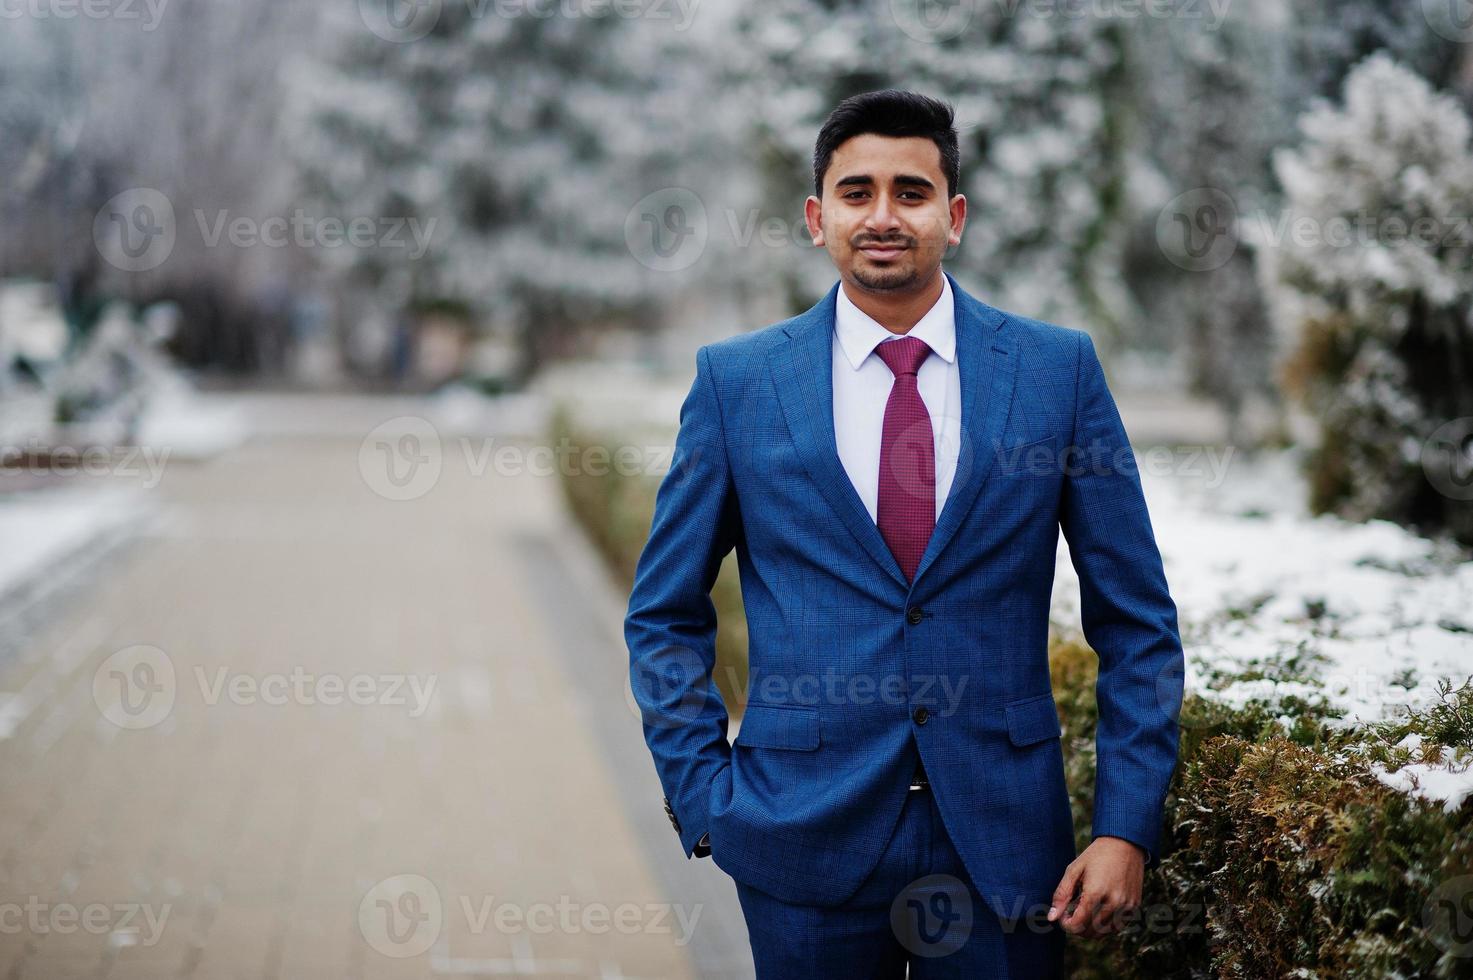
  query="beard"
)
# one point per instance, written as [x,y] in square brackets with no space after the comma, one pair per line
[899,274]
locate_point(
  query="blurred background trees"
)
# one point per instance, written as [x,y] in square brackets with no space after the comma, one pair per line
[1381,352]
[541,188]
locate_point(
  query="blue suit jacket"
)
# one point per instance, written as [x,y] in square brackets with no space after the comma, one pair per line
[843,651]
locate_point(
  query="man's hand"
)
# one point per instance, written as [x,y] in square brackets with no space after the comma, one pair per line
[1108,877]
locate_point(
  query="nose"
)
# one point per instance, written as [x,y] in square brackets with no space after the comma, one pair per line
[882,218]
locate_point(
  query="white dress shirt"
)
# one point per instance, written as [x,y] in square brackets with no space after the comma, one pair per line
[862,386]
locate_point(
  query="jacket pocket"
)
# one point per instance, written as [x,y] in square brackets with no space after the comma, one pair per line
[779,726]
[1032,719]
[1035,458]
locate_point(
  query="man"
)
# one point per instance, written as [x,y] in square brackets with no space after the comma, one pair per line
[893,468]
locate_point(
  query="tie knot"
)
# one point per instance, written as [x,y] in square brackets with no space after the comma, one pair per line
[904,355]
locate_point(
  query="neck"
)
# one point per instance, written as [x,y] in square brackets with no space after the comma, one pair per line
[896,312]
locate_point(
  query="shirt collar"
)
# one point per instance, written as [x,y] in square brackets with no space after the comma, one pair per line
[859,334]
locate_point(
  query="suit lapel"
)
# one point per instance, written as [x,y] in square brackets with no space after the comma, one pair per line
[802,370]
[988,363]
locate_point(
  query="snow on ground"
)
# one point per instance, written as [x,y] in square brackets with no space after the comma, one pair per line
[1369,615]
[1450,780]
[42,529]
[1366,617]
[461,409]
[188,424]
[629,399]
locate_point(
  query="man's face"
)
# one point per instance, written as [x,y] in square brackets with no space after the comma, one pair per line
[885,217]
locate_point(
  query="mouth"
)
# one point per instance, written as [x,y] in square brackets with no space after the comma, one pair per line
[882,253]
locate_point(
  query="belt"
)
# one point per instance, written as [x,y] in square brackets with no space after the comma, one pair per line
[919,781]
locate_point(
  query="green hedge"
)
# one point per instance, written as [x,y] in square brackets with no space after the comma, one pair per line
[1282,854]
[615,510]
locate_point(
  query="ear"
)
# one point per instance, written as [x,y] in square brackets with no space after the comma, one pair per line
[813,217]
[958,219]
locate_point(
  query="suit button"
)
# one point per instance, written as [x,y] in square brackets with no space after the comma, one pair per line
[921,714]
[914,616]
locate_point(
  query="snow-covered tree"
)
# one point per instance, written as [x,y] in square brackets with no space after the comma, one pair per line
[1210,93]
[1040,115]
[177,101]
[1370,269]
[1217,95]
[1326,39]
[521,143]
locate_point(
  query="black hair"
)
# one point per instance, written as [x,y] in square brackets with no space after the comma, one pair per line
[890,113]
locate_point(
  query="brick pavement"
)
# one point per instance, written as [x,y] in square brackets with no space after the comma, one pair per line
[148,832]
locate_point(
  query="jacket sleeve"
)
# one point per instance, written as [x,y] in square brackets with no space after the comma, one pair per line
[1128,615]
[670,628]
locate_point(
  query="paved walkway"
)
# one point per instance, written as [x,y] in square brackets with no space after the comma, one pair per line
[299,729]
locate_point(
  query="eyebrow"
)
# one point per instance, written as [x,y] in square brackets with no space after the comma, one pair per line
[865,180]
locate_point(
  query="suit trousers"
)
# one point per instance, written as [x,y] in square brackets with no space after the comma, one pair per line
[917,909]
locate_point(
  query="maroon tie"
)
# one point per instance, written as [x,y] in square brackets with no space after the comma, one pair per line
[907,499]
